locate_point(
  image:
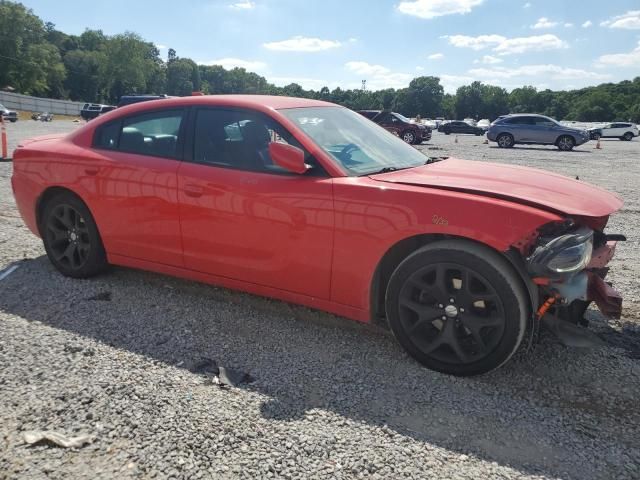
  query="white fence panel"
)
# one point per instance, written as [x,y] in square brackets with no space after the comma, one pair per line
[17,101]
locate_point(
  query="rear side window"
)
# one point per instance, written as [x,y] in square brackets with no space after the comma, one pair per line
[155,134]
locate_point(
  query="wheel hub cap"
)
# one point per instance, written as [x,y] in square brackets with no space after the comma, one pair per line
[451,311]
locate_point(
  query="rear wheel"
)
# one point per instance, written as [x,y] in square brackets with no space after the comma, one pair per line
[627,137]
[505,140]
[566,143]
[71,238]
[457,307]
[409,137]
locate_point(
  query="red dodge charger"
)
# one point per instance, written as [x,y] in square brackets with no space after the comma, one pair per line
[311,203]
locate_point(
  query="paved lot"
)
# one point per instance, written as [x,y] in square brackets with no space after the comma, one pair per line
[119,358]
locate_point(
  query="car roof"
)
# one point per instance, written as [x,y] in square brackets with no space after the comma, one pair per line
[247,101]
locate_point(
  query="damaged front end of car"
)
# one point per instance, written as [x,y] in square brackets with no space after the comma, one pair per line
[568,262]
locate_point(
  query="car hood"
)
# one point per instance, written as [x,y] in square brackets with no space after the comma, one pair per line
[520,184]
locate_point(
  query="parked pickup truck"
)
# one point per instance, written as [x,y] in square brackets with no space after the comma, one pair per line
[406,129]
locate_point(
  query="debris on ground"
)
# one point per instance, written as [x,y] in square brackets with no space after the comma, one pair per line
[101,297]
[37,436]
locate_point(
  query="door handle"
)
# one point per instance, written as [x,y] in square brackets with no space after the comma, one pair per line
[92,170]
[191,190]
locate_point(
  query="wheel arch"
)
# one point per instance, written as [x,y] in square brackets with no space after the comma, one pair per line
[47,195]
[405,247]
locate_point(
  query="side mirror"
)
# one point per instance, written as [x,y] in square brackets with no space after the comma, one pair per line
[288,157]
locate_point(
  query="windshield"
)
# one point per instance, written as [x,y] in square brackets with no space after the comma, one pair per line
[359,145]
[402,117]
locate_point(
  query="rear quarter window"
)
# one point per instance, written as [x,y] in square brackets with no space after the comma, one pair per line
[106,136]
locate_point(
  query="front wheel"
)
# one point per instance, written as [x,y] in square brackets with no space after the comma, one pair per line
[71,238]
[505,140]
[409,137]
[457,307]
[566,143]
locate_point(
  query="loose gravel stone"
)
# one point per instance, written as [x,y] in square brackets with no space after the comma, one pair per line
[124,358]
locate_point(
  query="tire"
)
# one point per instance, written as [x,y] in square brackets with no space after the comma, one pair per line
[596,136]
[565,143]
[447,132]
[471,335]
[505,140]
[13,120]
[71,238]
[408,136]
[627,137]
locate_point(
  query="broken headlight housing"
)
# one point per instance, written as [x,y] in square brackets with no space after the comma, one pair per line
[563,255]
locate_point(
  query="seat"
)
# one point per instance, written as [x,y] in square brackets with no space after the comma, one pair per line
[256,139]
[132,140]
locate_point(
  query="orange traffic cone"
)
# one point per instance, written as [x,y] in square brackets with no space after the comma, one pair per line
[3,140]
[598,144]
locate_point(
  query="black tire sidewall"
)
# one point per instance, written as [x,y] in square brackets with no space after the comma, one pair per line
[507,135]
[96,261]
[513,301]
[411,142]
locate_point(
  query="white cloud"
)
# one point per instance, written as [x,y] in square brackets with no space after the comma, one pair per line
[527,5]
[627,21]
[246,5]
[476,43]
[549,71]
[436,8]
[436,56]
[302,44]
[489,60]
[160,46]
[230,63]
[508,46]
[544,22]
[530,44]
[419,69]
[587,24]
[364,68]
[631,59]
[450,83]
[568,25]
[378,76]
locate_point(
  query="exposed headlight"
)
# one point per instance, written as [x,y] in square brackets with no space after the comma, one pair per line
[562,255]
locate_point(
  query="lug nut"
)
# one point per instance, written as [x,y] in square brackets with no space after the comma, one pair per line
[444,317]
[440,305]
[451,300]
[461,309]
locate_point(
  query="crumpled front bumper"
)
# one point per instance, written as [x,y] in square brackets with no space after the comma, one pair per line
[608,300]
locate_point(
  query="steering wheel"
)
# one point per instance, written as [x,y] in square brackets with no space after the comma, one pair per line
[348,148]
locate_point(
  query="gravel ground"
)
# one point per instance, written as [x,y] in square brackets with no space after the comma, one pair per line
[120,358]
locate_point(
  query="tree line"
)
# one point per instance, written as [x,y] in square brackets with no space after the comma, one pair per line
[37,59]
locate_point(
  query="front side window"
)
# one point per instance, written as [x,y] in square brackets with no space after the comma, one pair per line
[359,146]
[154,133]
[240,139]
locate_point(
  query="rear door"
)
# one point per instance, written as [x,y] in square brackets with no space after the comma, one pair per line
[544,130]
[135,182]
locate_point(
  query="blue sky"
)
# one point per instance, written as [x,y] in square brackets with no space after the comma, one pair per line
[557,44]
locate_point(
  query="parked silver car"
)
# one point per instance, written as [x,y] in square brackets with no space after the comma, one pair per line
[510,130]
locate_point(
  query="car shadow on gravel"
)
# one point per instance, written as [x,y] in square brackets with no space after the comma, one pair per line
[549,148]
[538,414]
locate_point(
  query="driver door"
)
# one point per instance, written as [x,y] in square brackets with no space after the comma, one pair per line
[244,218]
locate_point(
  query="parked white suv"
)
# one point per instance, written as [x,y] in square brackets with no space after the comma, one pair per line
[621,130]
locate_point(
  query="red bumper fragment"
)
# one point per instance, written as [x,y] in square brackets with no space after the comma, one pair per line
[609,301]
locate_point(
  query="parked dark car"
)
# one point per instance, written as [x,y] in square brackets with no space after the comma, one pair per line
[43,117]
[8,115]
[525,128]
[93,110]
[407,130]
[460,127]
[130,99]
